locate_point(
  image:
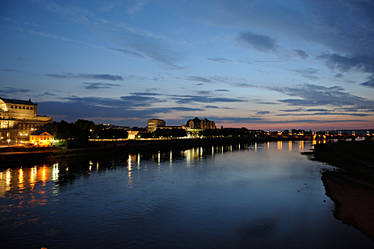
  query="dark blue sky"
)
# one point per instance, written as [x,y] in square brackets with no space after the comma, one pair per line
[258,64]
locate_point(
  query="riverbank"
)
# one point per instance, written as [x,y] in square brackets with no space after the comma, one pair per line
[351,187]
[113,149]
[355,156]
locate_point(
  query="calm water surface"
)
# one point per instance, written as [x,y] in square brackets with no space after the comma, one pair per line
[240,196]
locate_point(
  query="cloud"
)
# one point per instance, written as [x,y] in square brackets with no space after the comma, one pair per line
[48,94]
[99,85]
[146,94]
[309,73]
[292,110]
[370,82]
[327,113]
[222,90]
[339,75]
[199,79]
[127,52]
[262,112]
[182,99]
[316,95]
[259,42]
[212,107]
[345,63]
[316,110]
[301,53]
[9,70]
[132,110]
[219,59]
[87,76]
[6,91]
[136,7]
[152,47]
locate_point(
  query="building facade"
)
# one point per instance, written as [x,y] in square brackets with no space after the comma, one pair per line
[18,118]
[153,124]
[42,140]
[197,123]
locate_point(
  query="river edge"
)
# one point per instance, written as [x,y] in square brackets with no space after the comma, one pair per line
[115,149]
[351,184]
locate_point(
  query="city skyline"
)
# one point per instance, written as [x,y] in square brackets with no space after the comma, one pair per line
[260,65]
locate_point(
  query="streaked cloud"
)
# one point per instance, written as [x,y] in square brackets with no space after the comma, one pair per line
[262,43]
[98,85]
[111,77]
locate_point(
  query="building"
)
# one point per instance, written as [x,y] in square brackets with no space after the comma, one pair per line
[18,118]
[197,123]
[132,134]
[42,140]
[153,124]
[172,127]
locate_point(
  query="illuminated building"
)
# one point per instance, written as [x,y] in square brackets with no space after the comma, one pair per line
[44,139]
[132,134]
[197,123]
[153,124]
[18,118]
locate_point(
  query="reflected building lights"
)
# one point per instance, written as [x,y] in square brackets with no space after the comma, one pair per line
[158,158]
[138,161]
[44,174]
[279,145]
[55,172]
[268,145]
[212,151]
[8,178]
[171,158]
[255,147]
[301,145]
[33,174]
[129,168]
[20,178]
[289,146]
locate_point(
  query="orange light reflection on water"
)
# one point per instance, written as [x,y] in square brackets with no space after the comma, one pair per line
[20,179]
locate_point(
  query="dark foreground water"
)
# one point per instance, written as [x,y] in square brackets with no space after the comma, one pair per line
[254,196]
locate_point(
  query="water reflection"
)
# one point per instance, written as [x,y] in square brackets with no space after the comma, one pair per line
[253,193]
[64,172]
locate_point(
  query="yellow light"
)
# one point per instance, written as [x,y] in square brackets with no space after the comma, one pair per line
[20,178]
[55,172]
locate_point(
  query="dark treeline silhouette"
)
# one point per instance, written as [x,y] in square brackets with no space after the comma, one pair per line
[77,134]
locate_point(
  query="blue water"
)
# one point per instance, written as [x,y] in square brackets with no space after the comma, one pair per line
[255,196]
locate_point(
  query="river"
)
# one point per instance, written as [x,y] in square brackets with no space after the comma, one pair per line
[264,195]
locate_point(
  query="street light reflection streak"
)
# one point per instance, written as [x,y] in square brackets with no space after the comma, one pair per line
[55,172]
[129,168]
[20,178]
[8,178]
[138,160]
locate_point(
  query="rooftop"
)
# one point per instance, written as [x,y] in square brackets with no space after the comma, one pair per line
[17,101]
